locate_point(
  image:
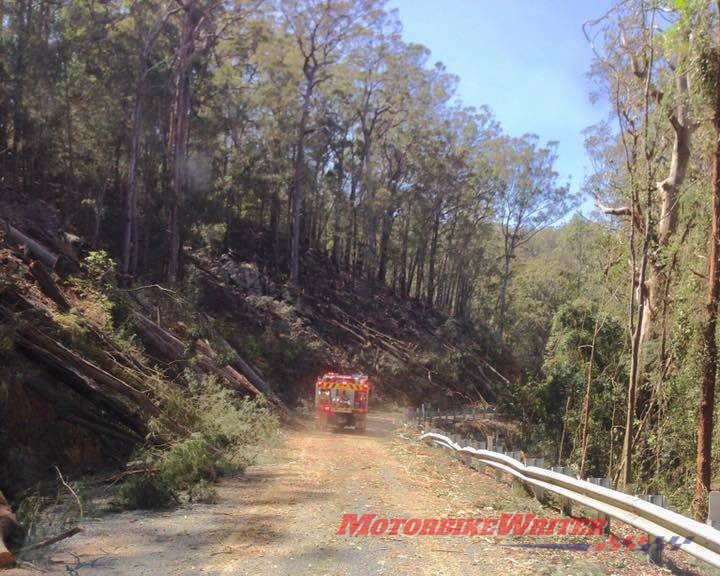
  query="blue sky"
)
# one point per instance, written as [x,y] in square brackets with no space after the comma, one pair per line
[525,59]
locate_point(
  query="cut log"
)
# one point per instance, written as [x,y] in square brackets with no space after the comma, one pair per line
[231,377]
[89,370]
[166,344]
[104,379]
[84,387]
[174,350]
[10,530]
[14,236]
[48,285]
[7,560]
[240,366]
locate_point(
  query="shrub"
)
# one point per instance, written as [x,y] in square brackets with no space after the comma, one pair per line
[146,492]
[238,427]
[227,435]
[187,463]
[169,472]
[202,492]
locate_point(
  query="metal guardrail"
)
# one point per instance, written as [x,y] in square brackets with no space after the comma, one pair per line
[702,540]
[428,414]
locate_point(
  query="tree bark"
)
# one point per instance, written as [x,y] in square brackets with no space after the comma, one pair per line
[385,232]
[431,263]
[586,400]
[48,286]
[403,281]
[9,530]
[502,297]
[130,225]
[296,194]
[710,350]
[635,352]
[48,258]
[179,136]
[275,227]
[667,191]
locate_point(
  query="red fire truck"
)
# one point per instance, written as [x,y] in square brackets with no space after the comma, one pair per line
[342,400]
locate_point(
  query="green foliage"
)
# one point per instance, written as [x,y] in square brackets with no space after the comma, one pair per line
[555,401]
[228,434]
[100,268]
[239,427]
[101,302]
[146,492]
[203,492]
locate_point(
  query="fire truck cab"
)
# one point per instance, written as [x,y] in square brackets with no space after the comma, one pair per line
[342,400]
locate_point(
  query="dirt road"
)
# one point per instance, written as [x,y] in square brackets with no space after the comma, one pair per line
[281,518]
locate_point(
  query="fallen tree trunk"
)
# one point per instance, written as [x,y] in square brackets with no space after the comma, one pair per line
[10,531]
[167,344]
[240,366]
[90,370]
[106,380]
[83,386]
[48,285]
[73,410]
[174,350]
[48,258]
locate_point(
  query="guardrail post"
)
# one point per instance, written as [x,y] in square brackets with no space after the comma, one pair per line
[538,491]
[457,440]
[489,442]
[498,475]
[516,485]
[565,503]
[654,545]
[497,447]
[467,460]
[605,483]
[713,517]
[476,463]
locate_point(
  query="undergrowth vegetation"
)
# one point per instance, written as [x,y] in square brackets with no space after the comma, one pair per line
[228,434]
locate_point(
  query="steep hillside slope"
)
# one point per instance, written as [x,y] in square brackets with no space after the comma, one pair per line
[92,367]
